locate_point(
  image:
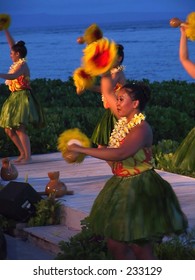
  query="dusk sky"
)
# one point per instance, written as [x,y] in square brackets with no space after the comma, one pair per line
[105,9]
[95,6]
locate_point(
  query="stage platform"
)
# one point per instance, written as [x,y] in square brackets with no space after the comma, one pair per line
[86,180]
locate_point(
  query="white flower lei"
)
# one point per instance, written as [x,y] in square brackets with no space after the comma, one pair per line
[117,69]
[14,66]
[122,128]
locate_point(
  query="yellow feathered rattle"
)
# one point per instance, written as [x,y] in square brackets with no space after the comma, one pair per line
[91,34]
[99,57]
[4,21]
[72,136]
[189,25]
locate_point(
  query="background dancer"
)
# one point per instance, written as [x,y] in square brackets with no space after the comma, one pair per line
[21,108]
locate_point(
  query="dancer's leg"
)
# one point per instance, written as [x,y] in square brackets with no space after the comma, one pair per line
[11,133]
[25,141]
[144,252]
[120,250]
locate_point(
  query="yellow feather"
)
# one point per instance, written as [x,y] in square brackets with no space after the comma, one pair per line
[99,56]
[4,21]
[190,30]
[82,80]
[92,33]
[63,140]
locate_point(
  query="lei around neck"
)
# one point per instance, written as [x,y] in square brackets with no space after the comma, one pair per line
[14,67]
[117,69]
[122,128]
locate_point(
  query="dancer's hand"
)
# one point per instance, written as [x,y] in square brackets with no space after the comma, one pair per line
[74,148]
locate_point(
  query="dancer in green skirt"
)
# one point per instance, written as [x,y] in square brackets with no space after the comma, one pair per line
[184,156]
[136,207]
[21,108]
[105,125]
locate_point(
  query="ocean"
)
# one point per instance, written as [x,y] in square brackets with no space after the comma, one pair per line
[151,50]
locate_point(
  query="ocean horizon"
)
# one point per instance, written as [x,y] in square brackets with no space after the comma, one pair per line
[151,49]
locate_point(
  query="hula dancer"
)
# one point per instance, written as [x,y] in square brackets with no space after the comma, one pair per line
[104,127]
[184,157]
[136,207]
[21,108]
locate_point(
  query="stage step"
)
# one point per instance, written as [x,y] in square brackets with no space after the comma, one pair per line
[48,237]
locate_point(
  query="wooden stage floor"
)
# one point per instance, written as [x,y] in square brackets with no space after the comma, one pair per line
[87,179]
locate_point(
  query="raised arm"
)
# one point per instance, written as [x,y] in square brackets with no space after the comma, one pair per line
[107,89]
[188,65]
[9,38]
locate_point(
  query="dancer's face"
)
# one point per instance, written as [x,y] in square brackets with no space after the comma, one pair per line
[14,56]
[126,107]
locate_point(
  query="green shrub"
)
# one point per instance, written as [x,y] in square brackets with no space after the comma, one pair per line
[171,113]
[86,246]
[47,212]
[177,248]
[168,123]
[163,153]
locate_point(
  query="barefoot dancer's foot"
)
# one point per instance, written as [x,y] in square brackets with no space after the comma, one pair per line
[21,157]
[25,161]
